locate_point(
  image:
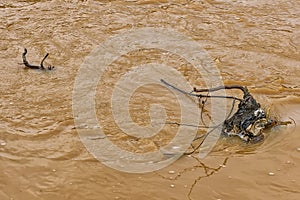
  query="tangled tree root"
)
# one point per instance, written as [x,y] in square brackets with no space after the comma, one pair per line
[248,122]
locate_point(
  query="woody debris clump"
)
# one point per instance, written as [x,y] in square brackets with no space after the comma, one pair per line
[250,119]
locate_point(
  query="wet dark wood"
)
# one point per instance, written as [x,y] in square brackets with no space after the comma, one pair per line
[239,123]
[41,66]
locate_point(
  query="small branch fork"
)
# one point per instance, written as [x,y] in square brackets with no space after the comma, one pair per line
[208,90]
[41,66]
[225,87]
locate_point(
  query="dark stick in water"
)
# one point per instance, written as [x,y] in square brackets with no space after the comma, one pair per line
[26,63]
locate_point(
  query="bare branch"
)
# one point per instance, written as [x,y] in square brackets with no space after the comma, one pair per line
[198,95]
[26,63]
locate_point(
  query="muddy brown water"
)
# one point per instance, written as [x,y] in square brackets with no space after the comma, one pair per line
[254,43]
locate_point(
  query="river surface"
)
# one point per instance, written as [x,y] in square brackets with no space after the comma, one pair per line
[253,43]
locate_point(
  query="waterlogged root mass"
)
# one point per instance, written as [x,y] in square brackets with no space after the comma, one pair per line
[248,122]
[41,66]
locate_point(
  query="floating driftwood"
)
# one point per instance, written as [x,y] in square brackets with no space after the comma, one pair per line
[248,122]
[41,66]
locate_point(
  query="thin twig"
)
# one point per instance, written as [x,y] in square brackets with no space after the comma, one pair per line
[223,87]
[198,95]
[42,66]
[205,136]
[228,116]
[202,108]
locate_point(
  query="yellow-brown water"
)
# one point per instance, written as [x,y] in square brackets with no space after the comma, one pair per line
[254,43]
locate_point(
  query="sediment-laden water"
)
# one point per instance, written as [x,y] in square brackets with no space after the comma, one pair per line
[253,43]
